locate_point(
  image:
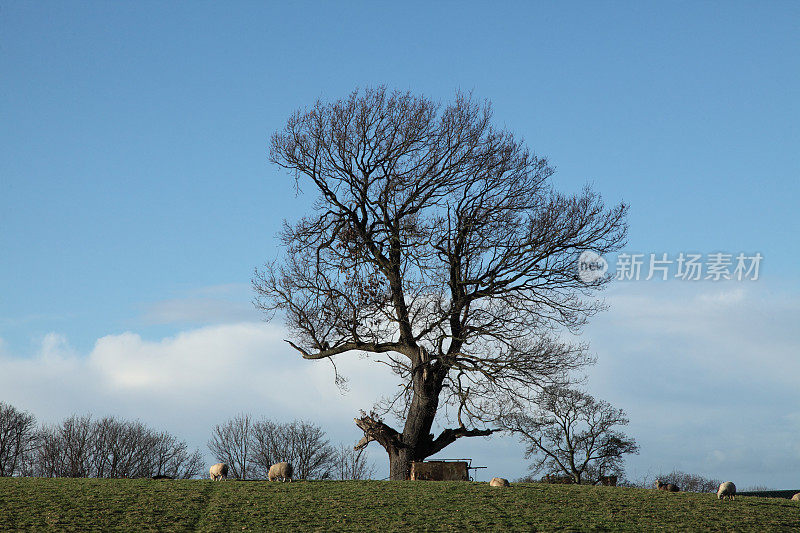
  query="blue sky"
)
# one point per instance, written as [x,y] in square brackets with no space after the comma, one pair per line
[136,196]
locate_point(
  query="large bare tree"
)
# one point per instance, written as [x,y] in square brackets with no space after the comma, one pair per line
[438,246]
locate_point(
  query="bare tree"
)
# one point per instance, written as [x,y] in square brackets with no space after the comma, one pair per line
[313,455]
[130,449]
[301,443]
[17,438]
[352,464]
[171,457]
[112,448]
[75,436]
[438,246]
[571,433]
[48,456]
[67,449]
[266,446]
[231,444]
[688,482]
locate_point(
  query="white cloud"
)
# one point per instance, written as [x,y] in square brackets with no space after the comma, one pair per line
[189,382]
[707,374]
[219,304]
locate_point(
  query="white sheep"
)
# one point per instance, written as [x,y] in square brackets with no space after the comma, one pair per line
[669,487]
[727,489]
[218,471]
[796,497]
[280,470]
[499,482]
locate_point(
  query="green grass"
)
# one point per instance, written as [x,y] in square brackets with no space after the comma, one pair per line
[142,505]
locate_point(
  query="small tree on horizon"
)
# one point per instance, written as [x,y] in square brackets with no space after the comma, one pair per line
[249,447]
[352,464]
[17,439]
[231,442]
[573,434]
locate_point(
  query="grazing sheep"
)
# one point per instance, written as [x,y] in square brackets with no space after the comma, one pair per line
[218,471]
[796,497]
[499,482]
[669,487]
[280,470]
[727,489]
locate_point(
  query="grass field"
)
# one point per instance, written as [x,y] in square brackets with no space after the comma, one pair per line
[141,505]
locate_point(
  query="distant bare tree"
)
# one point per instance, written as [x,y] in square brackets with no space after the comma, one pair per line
[753,488]
[192,467]
[106,431]
[17,439]
[174,459]
[301,443]
[267,444]
[75,436]
[438,245]
[48,458]
[171,457]
[231,444]
[67,449]
[27,465]
[129,450]
[112,448]
[352,464]
[688,482]
[313,455]
[571,433]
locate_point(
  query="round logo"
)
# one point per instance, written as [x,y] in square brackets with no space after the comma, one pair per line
[591,266]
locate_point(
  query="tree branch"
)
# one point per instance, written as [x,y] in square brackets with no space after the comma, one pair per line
[351,346]
[449,436]
[375,430]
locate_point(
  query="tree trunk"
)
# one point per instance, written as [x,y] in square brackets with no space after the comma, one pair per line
[399,465]
[417,435]
[416,442]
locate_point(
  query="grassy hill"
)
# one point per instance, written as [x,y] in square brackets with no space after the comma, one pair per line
[141,505]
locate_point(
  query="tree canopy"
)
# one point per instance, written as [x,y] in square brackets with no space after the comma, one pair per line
[570,432]
[438,245]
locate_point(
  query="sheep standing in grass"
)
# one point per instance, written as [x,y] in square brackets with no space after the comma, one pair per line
[796,497]
[669,487]
[218,471]
[280,470]
[499,482]
[727,489]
